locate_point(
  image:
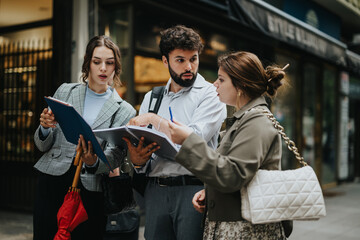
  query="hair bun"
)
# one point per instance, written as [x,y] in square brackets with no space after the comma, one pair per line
[275,75]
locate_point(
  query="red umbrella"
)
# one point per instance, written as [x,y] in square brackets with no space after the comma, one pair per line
[72,211]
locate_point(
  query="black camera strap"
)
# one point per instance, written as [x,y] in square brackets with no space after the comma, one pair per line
[155,100]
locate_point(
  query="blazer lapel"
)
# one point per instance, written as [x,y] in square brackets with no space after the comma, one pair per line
[77,98]
[109,108]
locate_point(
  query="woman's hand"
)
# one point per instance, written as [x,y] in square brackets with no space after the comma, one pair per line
[198,201]
[115,172]
[47,119]
[179,132]
[140,154]
[88,156]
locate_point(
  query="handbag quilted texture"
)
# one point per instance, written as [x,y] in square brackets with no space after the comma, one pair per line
[275,195]
[283,195]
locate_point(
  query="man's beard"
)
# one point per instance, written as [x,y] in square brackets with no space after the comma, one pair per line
[179,80]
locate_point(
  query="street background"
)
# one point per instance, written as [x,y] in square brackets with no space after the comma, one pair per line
[43,42]
[342,220]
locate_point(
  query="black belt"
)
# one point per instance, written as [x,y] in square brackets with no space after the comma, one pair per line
[176,181]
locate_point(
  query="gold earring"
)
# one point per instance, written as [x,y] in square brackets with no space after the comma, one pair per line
[239,94]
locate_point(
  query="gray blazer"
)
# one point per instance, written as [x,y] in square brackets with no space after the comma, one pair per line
[59,153]
[251,143]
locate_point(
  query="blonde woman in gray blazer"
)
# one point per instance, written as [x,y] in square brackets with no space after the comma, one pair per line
[101,106]
[249,144]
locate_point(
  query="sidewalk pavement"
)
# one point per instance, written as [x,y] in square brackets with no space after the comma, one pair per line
[342,220]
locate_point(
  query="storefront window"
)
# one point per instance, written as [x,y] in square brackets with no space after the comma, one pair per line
[309,107]
[283,106]
[25,65]
[354,128]
[328,131]
[148,73]
[118,27]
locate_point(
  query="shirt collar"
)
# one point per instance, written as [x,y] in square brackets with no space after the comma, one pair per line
[200,82]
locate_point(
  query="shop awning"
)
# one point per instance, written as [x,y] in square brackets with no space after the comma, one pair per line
[279,25]
[353,61]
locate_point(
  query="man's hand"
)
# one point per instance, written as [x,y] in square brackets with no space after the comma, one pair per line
[142,120]
[157,122]
[140,154]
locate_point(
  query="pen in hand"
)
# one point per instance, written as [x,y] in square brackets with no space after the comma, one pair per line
[171,116]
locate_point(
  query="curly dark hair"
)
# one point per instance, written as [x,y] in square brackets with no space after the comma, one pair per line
[98,41]
[179,37]
[248,74]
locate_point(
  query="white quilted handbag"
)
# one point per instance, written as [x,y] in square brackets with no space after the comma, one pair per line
[275,195]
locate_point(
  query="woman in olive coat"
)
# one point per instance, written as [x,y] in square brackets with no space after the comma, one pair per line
[250,143]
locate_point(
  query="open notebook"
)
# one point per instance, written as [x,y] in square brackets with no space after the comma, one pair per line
[134,133]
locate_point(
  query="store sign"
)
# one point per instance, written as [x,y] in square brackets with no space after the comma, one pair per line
[292,32]
[287,31]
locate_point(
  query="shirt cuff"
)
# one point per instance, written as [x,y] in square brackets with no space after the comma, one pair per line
[141,168]
[44,132]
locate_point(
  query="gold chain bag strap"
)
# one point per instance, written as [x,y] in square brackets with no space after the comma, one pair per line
[275,195]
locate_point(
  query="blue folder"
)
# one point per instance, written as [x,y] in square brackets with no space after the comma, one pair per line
[72,124]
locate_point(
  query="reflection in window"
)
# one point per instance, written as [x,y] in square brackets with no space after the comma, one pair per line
[310,77]
[283,107]
[150,71]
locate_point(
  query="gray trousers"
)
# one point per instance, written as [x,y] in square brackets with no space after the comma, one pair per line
[170,213]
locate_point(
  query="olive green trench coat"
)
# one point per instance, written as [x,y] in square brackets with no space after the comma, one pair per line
[251,143]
